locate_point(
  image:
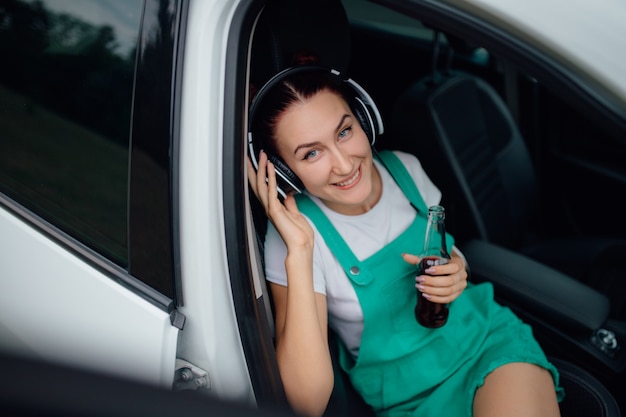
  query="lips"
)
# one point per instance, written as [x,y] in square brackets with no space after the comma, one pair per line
[350,181]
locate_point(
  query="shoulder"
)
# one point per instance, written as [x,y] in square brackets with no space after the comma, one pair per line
[412,164]
[408,159]
[429,191]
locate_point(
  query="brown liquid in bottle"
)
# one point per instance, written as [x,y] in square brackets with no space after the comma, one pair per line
[435,252]
[427,313]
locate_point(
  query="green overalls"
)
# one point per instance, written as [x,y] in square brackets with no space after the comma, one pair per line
[404,369]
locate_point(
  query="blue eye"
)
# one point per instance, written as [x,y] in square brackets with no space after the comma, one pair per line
[345,132]
[311,154]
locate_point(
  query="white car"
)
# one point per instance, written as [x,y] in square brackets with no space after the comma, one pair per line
[129,242]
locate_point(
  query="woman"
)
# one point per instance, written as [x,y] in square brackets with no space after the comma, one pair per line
[339,255]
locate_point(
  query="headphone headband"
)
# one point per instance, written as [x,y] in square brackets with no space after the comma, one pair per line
[362,106]
[366,99]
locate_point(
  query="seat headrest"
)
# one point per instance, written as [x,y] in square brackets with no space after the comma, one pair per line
[460,45]
[310,27]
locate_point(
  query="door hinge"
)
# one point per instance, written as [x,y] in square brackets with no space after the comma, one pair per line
[189,377]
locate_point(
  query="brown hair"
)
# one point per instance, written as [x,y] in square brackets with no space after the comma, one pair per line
[295,87]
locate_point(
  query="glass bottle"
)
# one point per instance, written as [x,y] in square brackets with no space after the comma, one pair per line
[435,252]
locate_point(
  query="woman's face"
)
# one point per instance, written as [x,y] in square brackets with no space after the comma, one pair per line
[324,145]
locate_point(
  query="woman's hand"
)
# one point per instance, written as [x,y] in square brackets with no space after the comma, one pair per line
[289,222]
[444,283]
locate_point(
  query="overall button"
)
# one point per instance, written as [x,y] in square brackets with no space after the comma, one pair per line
[355,270]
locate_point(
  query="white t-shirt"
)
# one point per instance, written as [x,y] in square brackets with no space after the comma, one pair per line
[365,234]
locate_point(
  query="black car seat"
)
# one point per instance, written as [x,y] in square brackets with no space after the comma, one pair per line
[468,141]
[584,394]
[321,27]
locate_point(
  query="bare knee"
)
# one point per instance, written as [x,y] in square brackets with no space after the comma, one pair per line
[517,390]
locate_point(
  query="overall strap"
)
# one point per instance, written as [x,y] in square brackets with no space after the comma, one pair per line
[336,243]
[348,260]
[404,180]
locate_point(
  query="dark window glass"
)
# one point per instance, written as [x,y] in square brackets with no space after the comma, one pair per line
[66,82]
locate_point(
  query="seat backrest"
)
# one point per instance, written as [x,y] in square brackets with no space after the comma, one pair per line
[287,28]
[467,140]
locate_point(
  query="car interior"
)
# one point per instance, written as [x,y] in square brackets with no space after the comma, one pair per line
[463,110]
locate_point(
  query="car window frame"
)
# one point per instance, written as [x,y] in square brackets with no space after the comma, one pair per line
[250,295]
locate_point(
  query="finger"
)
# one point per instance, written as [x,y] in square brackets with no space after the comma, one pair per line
[440,292]
[430,282]
[442,299]
[252,174]
[412,259]
[449,268]
[290,204]
[271,183]
[443,294]
[261,175]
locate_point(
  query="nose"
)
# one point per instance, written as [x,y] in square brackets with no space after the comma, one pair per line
[342,163]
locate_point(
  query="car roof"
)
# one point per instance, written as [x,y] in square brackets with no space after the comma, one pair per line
[589,36]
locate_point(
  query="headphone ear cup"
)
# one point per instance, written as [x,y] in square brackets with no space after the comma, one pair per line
[286,180]
[365,119]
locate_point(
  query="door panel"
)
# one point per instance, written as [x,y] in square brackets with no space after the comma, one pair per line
[59,307]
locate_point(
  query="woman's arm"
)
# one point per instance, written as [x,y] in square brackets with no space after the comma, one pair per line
[301,317]
[302,346]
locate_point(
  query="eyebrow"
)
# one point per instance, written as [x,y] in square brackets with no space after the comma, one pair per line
[310,144]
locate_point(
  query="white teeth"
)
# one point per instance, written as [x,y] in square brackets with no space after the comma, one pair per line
[350,180]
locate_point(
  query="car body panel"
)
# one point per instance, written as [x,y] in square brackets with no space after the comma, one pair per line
[58,308]
[206,277]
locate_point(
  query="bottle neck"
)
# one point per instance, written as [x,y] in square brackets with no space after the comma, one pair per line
[435,239]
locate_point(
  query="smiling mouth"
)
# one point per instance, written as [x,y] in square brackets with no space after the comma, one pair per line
[351,180]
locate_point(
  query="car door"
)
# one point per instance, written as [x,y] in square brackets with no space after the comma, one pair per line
[87,259]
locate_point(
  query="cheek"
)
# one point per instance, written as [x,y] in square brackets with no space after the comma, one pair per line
[364,143]
[359,145]
[313,176]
